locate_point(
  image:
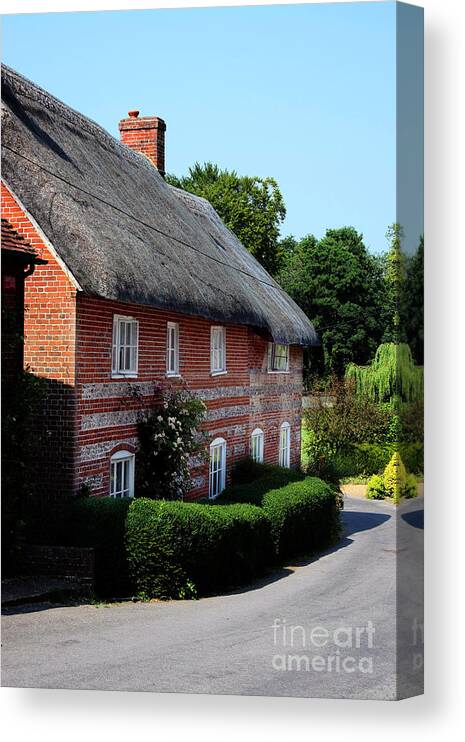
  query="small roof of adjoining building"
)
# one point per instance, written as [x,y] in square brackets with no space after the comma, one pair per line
[15,244]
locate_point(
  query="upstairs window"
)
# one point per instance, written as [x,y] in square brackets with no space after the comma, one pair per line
[285,445]
[278,357]
[122,474]
[217,478]
[256,445]
[172,349]
[125,342]
[218,350]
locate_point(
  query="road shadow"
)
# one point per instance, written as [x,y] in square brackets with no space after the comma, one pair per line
[354,521]
[415,518]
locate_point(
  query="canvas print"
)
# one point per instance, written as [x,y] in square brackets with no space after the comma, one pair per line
[212,350]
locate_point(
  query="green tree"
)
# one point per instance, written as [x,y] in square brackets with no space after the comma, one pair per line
[395,277]
[340,287]
[253,208]
[412,304]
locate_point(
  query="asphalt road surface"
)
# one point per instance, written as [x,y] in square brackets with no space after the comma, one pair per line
[338,626]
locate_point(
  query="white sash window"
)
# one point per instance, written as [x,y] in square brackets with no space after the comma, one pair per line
[125,346]
[172,349]
[217,478]
[256,445]
[122,474]
[218,350]
[278,358]
[285,445]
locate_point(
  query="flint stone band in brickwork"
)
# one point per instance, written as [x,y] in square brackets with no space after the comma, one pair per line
[197,482]
[93,482]
[94,451]
[223,413]
[117,390]
[109,419]
[239,450]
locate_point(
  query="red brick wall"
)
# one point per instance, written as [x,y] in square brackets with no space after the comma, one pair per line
[49,351]
[89,415]
[244,398]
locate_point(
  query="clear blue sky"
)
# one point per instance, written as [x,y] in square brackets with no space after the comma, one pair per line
[306,94]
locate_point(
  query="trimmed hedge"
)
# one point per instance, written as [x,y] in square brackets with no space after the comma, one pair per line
[179,549]
[304,518]
[99,522]
[252,481]
[173,549]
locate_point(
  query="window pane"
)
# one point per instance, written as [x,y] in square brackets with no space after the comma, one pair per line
[126,475]
[118,466]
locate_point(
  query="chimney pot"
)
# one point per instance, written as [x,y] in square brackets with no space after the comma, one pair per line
[133,114]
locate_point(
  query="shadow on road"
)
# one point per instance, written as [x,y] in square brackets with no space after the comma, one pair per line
[354,522]
[415,518]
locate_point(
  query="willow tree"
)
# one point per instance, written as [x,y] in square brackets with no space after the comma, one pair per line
[392,376]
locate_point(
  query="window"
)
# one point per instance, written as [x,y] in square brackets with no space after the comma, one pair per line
[217,479]
[278,357]
[218,350]
[125,342]
[172,349]
[285,445]
[256,445]
[122,474]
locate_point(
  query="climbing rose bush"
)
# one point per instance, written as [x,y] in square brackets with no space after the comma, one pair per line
[169,438]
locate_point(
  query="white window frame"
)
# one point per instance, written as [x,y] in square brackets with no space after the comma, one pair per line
[125,460]
[285,445]
[217,350]
[272,347]
[257,440]
[172,333]
[217,468]
[117,371]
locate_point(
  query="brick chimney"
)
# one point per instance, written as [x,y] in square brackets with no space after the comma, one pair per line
[146,135]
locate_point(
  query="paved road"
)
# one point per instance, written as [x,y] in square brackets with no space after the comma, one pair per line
[241,643]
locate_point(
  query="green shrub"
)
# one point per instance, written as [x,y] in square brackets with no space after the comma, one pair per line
[410,486]
[253,491]
[365,459]
[175,548]
[413,456]
[247,470]
[99,522]
[304,517]
[375,488]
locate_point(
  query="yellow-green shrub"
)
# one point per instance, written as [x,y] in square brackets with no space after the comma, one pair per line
[395,477]
[376,489]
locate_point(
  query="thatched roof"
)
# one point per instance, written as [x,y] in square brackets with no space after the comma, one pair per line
[123,232]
